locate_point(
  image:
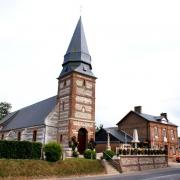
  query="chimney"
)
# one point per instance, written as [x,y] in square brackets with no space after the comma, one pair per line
[138,109]
[164,115]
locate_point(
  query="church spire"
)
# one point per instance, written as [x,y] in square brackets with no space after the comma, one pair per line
[77,57]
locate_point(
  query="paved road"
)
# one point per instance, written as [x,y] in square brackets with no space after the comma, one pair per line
[157,174]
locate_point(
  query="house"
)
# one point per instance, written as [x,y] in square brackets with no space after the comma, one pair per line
[69,113]
[154,131]
[117,138]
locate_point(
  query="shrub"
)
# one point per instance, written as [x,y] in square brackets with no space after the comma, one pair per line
[90,154]
[124,152]
[53,151]
[91,144]
[73,143]
[108,154]
[20,149]
[75,153]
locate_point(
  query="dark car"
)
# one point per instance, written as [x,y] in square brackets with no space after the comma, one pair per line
[178,159]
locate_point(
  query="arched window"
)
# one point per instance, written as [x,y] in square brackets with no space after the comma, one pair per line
[19,136]
[83,109]
[61,138]
[63,106]
[2,136]
[84,83]
[34,136]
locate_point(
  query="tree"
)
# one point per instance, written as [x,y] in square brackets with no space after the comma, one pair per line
[4,109]
[99,128]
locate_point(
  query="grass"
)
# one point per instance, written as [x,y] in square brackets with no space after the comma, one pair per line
[25,169]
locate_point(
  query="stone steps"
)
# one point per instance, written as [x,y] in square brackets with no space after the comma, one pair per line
[109,168]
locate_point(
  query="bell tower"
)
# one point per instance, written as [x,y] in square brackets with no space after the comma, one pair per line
[76,93]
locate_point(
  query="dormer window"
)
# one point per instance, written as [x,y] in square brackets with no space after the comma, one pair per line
[163,120]
[84,68]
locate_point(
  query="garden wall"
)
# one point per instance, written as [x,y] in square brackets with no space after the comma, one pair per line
[141,162]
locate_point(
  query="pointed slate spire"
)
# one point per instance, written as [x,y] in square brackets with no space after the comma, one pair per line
[78,50]
[77,57]
[78,42]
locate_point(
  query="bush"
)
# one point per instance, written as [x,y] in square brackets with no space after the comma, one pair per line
[20,150]
[75,153]
[53,151]
[108,154]
[90,154]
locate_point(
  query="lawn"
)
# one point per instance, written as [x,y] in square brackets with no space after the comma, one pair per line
[24,169]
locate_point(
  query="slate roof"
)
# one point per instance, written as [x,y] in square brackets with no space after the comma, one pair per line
[151,118]
[77,57]
[115,135]
[29,116]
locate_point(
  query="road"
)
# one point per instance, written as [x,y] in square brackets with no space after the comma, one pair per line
[156,174]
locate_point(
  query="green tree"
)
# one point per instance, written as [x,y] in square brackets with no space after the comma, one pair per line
[99,128]
[4,109]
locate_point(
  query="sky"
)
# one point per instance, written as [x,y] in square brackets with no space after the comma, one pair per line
[134,45]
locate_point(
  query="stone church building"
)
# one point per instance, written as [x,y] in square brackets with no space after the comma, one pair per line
[70,113]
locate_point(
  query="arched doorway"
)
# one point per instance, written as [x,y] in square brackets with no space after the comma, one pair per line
[82,139]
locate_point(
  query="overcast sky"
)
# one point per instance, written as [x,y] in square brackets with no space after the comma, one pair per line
[134,45]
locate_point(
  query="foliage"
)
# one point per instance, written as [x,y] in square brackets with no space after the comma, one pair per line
[75,153]
[53,151]
[91,144]
[140,151]
[108,154]
[25,169]
[90,154]
[20,150]
[4,109]
[73,143]
[99,128]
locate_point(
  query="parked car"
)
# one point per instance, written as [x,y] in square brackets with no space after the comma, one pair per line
[178,159]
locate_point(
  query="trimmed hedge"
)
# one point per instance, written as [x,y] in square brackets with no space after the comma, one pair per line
[20,150]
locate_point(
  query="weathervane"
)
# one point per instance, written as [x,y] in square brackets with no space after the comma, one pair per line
[80,10]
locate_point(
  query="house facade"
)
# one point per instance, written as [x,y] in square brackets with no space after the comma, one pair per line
[153,131]
[70,113]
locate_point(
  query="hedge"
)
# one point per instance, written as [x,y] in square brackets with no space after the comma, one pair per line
[20,150]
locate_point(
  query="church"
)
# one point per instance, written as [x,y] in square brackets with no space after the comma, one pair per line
[69,113]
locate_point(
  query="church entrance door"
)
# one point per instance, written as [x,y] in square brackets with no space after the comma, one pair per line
[82,139]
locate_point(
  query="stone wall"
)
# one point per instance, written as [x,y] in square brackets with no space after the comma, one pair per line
[140,163]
